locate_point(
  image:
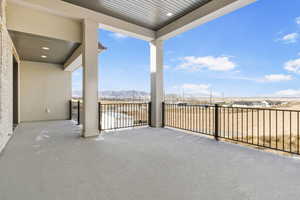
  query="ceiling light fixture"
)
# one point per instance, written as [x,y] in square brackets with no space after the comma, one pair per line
[43,56]
[46,48]
[170,14]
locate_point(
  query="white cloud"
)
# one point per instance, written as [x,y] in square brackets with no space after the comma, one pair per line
[290,38]
[277,78]
[118,36]
[196,89]
[298,20]
[222,63]
[167,67]
[288,93]
[293,66]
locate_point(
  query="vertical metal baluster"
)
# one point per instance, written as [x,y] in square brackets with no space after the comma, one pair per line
[232,123]
[105,116]
[111,117]
[248,111]
[192,118]
[196,119]
[124,120]
[298,132]
[78,112]
[138,114]
[199,118]
[257,126]
[237,124]
[205,119]
[264,121]
[184,117]
[242,112]
[173,115]
[132,114]
[188,117]
[290,131]
[131,106]
[115,125]
[228,117]
[283,146]
[115,113]
[180,115]
[114,117]
[202,124]
[176,116]
[270,126]
[209,120]
[276,122]
[225,124]
[252,127]
[175,121]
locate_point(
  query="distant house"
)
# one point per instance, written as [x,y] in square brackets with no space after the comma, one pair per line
[275,103]
[256,104]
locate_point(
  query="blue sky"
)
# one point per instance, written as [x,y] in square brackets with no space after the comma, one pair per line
[254,51]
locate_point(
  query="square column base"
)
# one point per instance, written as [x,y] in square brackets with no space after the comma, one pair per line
[90,133]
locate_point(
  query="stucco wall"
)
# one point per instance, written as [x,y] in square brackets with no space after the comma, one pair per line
[45,92]
[28,20]
[6,95]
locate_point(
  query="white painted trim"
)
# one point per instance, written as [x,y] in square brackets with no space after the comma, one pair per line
[65,9]
[75,60]
[204,14]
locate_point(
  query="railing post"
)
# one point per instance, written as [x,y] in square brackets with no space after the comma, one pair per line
[99,116]
[149,114]
[216,122]
[78,113]
[163,114]
[71,109]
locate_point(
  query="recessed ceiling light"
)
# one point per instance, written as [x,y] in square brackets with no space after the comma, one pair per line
[169,14]
[46,48]
[43,56]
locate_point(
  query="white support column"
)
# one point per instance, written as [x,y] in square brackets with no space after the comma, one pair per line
[157,83]
[90,78]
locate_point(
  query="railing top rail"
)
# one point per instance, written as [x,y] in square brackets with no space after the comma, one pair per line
[199,105]
[271,109]
[123,103]
[230,107]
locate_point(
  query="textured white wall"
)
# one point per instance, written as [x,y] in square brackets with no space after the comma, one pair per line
[6,93]
[36,22]
[44,87]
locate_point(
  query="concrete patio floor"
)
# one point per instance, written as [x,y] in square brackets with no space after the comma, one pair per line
[48,161]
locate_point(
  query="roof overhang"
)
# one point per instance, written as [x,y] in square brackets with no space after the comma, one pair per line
[201,15]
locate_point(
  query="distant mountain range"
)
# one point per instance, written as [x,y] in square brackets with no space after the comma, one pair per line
[121,94]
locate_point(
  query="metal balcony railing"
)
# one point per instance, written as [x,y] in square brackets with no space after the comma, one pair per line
[268,128]
[115,115]
[123,115]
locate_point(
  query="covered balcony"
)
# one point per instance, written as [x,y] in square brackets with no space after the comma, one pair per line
[53,147]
